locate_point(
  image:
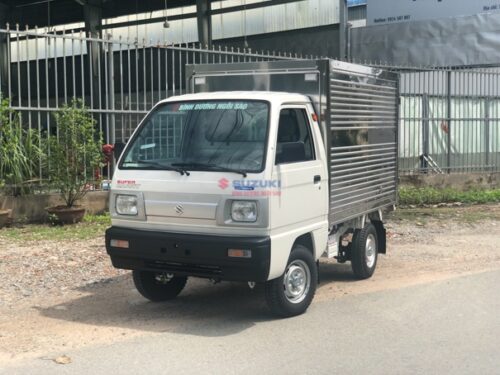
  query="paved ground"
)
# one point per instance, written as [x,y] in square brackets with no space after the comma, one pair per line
[432,307]
[449,326]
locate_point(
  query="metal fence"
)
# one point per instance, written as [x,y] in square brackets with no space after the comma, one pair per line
[449,120]
[118,80]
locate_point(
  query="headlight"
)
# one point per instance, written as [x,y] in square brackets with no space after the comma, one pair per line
[126,205]
[244,211]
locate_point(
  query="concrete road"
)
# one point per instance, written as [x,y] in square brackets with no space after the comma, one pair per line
[450,326]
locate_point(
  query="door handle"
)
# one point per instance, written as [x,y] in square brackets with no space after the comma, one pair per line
[317,179]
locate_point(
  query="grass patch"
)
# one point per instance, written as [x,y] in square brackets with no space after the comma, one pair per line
[428,195]
[92,226]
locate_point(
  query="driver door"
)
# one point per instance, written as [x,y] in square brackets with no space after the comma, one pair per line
[303,197]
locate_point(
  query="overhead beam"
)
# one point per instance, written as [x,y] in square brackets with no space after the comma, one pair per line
[149,20]
[239,8]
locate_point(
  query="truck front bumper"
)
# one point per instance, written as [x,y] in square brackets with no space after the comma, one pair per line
[190,255]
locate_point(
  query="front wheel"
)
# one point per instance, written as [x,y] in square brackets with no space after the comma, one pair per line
[364,252]
[292,293]
[158,286]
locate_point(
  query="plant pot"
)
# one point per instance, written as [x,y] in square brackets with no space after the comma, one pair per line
[67,215]
[4,217]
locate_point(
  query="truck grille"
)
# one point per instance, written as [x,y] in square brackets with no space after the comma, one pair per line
[191,269]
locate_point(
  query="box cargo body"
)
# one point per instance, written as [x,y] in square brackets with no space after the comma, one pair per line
[358,111]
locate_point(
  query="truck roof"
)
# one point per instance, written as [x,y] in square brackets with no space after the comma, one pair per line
[273,96]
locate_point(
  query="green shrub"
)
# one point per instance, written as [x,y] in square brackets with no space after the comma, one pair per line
[75,153]
[19,152]
[429,195]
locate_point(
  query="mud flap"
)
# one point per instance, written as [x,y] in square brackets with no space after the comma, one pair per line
[381,236]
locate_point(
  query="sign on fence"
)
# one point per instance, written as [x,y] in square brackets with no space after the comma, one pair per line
[380,12]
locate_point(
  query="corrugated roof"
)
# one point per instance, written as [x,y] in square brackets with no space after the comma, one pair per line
[36,12]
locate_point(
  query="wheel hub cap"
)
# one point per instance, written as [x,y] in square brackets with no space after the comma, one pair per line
[163,278]
[297,281]
[370,250]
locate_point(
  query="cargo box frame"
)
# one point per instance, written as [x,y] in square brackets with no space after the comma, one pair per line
[358,108]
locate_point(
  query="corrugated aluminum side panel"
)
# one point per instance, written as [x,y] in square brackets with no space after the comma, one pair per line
[363,140]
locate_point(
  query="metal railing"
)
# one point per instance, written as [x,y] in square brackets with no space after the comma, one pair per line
[449,119]
[118,80]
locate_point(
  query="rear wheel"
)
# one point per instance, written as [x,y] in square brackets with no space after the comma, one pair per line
[364,252]
[292,293]
[158,286]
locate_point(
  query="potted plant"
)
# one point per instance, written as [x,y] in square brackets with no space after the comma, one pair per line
[73,157]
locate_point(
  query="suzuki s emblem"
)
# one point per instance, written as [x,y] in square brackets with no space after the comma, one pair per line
[179,209]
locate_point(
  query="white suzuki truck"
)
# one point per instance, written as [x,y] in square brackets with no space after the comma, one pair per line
[262,170]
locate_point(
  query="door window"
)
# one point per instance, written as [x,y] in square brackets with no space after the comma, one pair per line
[294,137]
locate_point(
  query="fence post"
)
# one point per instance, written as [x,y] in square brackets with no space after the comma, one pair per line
[204,18]
[4,46]
[343,25]
[487,131]
[424,165]
[111,99]
[4,63]
[448,115]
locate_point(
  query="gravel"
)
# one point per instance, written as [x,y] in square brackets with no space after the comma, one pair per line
[50,268]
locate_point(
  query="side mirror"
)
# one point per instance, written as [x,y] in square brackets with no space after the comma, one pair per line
[118,149]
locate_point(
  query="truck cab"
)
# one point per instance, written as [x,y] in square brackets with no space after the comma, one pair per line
[222,186]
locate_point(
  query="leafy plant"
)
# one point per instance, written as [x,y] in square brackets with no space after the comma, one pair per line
[75,153]
[53,219]
[19,152]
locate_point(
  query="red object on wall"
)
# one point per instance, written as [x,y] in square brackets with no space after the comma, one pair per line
[107,150]
[444,127]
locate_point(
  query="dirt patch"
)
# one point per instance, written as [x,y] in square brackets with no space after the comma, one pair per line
[61,295]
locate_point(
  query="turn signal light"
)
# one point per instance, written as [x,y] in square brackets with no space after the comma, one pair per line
[119,243]
[239,253]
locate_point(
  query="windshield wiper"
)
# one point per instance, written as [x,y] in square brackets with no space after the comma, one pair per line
[163,166]
[211,167]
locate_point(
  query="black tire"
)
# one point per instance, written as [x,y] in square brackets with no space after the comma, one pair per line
[364,255]
[155,290]
[279,299]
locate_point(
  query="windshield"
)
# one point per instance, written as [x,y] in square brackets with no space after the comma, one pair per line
[202,135]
